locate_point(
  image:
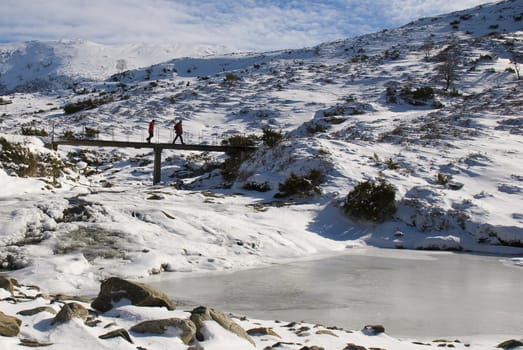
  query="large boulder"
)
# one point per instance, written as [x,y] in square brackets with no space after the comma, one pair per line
[9,325]
[187,327]
[373,329]
[510,344]
[7,284]
[115,289]
[70,311]
[202,314]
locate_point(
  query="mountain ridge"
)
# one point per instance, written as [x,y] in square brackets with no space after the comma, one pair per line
[61,64]
[64,63]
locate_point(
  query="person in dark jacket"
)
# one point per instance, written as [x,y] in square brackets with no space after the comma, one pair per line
[151,131]
[178,129]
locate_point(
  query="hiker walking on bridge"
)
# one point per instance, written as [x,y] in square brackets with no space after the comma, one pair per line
[151,131]
[178,129]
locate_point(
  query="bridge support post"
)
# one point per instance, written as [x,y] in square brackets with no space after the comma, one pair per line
[157,173]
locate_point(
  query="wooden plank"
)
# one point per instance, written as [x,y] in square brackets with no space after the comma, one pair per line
[124,144]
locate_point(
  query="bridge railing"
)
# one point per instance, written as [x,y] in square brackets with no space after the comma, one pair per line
[161,135]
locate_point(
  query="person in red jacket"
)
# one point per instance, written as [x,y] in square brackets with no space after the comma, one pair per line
[151,131]
[178,129]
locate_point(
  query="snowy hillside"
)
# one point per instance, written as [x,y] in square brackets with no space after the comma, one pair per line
[432,108]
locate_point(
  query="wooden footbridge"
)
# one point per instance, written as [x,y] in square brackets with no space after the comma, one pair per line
[157,148]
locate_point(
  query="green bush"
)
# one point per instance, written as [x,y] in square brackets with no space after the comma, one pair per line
[454,93]
[231,79]
[240,140]
[83,105]
[29,130]
[271,137]
[69,135]
[301,186]
[421,93]
[391,164]
[314,128]
[232,164]
[390,95]
[443,179]
[91,132]
[418,97]
[360,58]
[259,187]
[24,163]
[371,201]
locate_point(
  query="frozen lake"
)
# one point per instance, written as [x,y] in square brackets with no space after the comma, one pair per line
[412,293]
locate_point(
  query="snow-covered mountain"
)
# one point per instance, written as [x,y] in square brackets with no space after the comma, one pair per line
[40,65]
[433,108]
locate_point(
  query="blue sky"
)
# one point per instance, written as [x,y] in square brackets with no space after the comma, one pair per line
[257,25]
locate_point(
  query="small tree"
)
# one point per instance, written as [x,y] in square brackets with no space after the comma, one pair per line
[448,68]
[121,65]
[231,79]
[427,48]
[515,62]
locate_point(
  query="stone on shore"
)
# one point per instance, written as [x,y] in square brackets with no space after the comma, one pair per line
[122,333]
[115,289]
[202,314]
[510,344]
[70,311]
[9,325]
[7,284]
[187,327]
[263,331]
[37,310]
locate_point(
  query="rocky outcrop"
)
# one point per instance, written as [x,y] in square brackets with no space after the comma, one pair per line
[115,289]
[9,325]
[187,327]
[202,314]
[70,311]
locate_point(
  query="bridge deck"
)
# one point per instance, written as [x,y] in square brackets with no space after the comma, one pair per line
[187,147]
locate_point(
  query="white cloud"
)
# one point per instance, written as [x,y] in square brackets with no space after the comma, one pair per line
[402,11]
[242,25]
